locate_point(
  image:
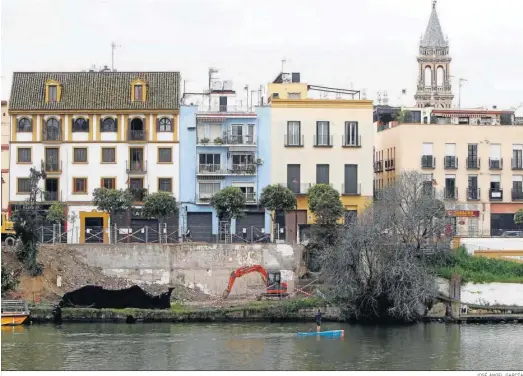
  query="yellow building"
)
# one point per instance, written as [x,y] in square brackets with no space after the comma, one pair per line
[5,156]
[473,158]
[313,141]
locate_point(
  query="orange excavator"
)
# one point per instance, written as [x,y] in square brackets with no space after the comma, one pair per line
[271,278]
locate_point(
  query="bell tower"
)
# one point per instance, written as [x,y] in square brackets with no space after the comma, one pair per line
[434,87]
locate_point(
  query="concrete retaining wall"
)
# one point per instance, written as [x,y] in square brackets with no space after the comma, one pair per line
[205,266]
[497,244]
[494,294]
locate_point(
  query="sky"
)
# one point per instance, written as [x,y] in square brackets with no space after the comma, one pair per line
[369,44]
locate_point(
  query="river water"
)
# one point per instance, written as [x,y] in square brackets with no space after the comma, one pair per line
[261,347]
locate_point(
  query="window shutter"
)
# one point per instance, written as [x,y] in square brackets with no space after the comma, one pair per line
[116,124]
[101,124]
[87,123]
[158,124]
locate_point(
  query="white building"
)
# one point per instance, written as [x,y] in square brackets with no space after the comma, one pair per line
[93,129]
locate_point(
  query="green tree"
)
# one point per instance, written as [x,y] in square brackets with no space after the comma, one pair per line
[160,205]
[56,213]
[518,217]
[277,198]
[9,280]
[325,204]
[26,221]
[112,201]
[229,203]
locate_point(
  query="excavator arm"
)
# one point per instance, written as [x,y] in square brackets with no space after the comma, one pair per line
[241,272]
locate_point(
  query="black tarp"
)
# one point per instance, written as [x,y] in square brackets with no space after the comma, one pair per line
[132,297]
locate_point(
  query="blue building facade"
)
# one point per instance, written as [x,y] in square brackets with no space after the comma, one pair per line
[222,146]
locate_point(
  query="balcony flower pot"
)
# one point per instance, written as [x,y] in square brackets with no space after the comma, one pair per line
[218,141]
[204,141]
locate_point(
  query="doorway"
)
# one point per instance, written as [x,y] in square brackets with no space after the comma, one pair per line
[94,230]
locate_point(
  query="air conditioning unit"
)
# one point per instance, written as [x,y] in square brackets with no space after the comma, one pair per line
[259,161]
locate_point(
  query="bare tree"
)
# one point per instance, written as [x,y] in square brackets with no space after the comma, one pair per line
[377,271]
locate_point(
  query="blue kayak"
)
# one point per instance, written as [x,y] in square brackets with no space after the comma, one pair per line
[328,333]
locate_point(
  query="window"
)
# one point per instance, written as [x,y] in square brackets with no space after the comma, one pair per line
[52,160]
[322,174]
[250,134]
[427,148]
[138,92]
[236,134]
[472,156]
[108,125]
[52,130]
[450,187]
[294,178]
[223,104]
[495,182]
[243,163]
[351,185]
[109,183]
[165,155]
[24,125]
[450,156]
[250,196]
[517,183]
[79,155]
[209,163]
[322,133]
[207,189]
[165,125]
[495,156]
[473,190]
[293,133]
[80,125]
[24,155]
[351,137]
[517,157]
[24,185]
[79,185]
[53,93]
[108,155]
[165,184]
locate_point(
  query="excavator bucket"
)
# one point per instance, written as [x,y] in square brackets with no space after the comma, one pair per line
[225,294]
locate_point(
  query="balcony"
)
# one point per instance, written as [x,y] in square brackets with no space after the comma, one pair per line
[428,190]
[204,197]
[227,140]
[495,194]
[517,195]
[298,188]
[51,135]
[139,194]
[428,161]
[136,167]
[51,196]
[52,166]
[378,166]
[450,162]
[389,165]
[473,194]
[323,141]
[250,198]
[473,163]
[495,164]
[517,163]
[235,169]
[450,193]
[348,142]
[351,190]
[294,141]
[136,135]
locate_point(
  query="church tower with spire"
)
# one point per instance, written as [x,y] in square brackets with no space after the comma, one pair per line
[434,88]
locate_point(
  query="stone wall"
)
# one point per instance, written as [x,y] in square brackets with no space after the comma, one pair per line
[203,266]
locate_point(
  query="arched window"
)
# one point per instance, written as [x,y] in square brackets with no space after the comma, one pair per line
[440,76]
[136,129]
[24,125]
[165,125]
[52,130]
[80,125]
[428,76]
[108,125]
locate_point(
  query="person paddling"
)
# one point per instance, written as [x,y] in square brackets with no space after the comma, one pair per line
[318,320]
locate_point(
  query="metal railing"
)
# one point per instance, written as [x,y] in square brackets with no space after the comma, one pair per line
[517,195]
[51,196]
[348,142]
[450,193]
[495,164]
[451,162]
[294,140]
[496,194]
[378,166]
[244,169]
[136,135]
[298,188]
[210,169]
[52,166]
[324,140]
[473,163]
[428,161]
[136,167]
[473,193]
[389,164]
[351,189]
[51,135]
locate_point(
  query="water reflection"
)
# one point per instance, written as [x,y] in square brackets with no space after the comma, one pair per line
[260,347]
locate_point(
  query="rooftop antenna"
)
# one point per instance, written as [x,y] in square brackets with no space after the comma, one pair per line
[113,47]
[379,97]
[461,80]
[364,94]
[283,61]
[211,72]
[385,98]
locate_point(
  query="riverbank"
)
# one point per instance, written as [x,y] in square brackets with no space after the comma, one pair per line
[299,310]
